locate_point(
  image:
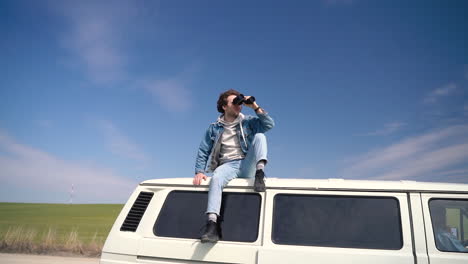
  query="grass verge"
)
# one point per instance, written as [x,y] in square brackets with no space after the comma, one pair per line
[21,240]
[55,229]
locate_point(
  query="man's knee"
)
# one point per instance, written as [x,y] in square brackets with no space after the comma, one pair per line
[260,137]
[216,180]
[220,180]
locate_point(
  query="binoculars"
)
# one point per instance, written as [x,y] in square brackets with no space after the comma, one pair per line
[240,99]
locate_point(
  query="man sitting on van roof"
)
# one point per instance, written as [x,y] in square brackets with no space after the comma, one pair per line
[234,147]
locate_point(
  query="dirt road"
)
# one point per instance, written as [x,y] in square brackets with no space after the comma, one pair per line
[36,259]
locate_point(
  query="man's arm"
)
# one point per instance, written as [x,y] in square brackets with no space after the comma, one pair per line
[202,157]
[264,121]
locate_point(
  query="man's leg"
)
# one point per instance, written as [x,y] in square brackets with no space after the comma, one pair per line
[255,161]
[221,177]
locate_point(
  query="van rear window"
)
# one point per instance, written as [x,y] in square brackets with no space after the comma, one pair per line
[449,219]
[183,215]
[337,221]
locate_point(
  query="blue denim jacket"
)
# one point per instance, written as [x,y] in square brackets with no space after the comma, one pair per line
[210,145]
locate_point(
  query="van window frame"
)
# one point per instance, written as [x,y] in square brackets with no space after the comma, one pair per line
[343,196]
[432,222]
[258,217]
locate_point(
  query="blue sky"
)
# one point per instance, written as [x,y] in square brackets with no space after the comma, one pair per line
[102,95]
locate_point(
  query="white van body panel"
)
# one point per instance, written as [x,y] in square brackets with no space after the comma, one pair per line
[125,243]
[143,246]
[329,184]
[154,247]
[271,252]
[419,232]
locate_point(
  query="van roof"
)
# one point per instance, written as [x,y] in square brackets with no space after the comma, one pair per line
[324,184]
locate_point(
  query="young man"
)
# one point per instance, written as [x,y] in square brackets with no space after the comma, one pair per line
[233,147]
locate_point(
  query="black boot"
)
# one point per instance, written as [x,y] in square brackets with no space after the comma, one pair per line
[259,185]
[211,232]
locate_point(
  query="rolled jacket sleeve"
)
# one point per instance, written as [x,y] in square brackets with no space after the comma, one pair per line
[264,122]
[203,152]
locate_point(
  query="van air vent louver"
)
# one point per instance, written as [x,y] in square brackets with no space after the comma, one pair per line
[136,213]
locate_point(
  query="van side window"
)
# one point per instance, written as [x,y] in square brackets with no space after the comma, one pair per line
[337,221]
[450,224]
[183,215]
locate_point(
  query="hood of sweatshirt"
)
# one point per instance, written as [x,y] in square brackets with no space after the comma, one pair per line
[239,118]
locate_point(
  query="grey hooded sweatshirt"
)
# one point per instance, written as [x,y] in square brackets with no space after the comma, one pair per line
[230,145]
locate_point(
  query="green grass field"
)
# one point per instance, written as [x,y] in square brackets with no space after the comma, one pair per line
[87,220]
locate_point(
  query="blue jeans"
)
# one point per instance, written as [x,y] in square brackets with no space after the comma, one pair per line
[244,168]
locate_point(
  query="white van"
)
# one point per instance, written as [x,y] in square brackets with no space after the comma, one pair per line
[294,221]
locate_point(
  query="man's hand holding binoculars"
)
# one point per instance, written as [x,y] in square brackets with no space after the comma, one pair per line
[248,101]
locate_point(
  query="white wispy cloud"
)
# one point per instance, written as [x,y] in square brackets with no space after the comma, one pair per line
[172,94]
[97,36]
[428,163]
[93,40]
[440,92]
[42,173]
[44,123]
[97,33]
[419,157]
[120,144]
[387,129]
[459,175]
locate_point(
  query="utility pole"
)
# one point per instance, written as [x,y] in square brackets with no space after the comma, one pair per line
[71,194]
